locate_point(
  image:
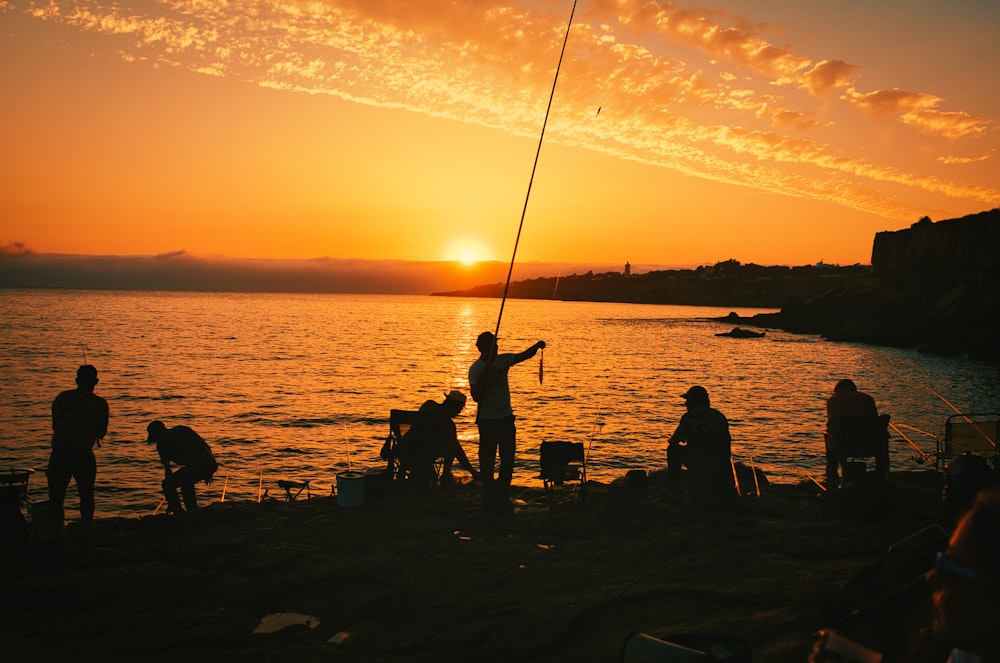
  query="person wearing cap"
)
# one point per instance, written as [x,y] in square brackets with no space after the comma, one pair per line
[846,403]
[181,446]
[965,594]
[703,445]
[495,417]
[79,421]
[438,425]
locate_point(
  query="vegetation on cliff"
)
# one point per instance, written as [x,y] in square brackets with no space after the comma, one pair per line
[727,283]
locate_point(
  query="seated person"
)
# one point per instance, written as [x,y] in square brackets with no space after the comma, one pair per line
[852,418]
[434,435]
[702,444]
[182,446]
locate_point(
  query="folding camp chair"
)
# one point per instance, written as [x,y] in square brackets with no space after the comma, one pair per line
[558,462]
[294,488]
[407,458]
[976,433]
[15,508]
[15,484]
[860,438]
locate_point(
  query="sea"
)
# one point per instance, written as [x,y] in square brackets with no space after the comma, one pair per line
[298,387]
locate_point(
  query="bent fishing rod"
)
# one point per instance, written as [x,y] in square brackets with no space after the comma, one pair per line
[531,180]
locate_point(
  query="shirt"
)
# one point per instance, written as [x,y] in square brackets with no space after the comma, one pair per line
[79,420]
[495,400]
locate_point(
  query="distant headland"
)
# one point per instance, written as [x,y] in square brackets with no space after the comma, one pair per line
[934,286]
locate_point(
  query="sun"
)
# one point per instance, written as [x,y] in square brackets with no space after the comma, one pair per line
[467,251]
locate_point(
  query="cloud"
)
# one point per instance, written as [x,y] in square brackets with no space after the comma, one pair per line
[952,160]
[15,249]
[890,102]
[949,125]
[179,270]
[670,81]
[827,76]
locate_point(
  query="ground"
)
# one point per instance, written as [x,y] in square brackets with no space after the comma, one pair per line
[414,577]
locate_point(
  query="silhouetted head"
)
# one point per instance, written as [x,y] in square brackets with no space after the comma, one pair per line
[695,396]
[86,376]
[154,429]
[454,400]
[486,342]
[966,580]
[845,385]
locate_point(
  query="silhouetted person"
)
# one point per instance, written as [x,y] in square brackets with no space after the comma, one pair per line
[182,446]
[966,582]
[434,435]
[495,417]
[79,421]
[965,586]
[703,445]
[446,434]
[847,403]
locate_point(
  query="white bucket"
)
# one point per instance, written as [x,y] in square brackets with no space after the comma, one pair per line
[351,489]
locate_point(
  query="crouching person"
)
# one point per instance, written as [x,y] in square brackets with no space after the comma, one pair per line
[182,446]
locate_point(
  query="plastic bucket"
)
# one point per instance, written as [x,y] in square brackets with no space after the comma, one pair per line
[351,489]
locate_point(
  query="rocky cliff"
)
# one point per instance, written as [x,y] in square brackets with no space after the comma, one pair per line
[935,286]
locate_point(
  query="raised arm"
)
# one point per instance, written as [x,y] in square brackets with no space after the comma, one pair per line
[529,353]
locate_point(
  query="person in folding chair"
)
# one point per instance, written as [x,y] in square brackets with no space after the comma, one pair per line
[182,446]
[435,435]
[703,445]
[845,404]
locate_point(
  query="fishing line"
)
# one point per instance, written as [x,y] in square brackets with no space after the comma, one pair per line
[964,416]
[531,180]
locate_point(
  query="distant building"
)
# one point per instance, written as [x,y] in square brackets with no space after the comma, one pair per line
[628,269]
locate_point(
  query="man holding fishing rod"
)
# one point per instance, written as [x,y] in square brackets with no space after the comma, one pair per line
[495,417]
[79,421]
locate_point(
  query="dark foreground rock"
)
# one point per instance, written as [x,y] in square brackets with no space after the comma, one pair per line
[410,578]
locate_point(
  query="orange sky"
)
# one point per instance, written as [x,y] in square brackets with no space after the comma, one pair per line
[774,132]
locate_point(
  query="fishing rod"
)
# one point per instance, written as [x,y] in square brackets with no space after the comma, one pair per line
[821,486]
[593,431]
[531,180]
[912,444]
[919,430]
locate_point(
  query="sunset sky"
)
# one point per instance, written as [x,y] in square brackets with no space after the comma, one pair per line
[773,131]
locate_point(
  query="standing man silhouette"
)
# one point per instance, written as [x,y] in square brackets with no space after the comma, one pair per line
[79,421]
[495,417]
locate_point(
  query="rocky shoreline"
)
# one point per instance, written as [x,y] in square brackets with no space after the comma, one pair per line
[432,578]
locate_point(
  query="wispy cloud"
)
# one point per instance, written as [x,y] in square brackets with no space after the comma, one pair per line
[699,91]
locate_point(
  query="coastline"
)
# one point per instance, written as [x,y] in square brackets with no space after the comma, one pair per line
[411,578]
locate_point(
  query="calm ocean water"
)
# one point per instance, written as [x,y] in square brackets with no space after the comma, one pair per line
[290,386]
